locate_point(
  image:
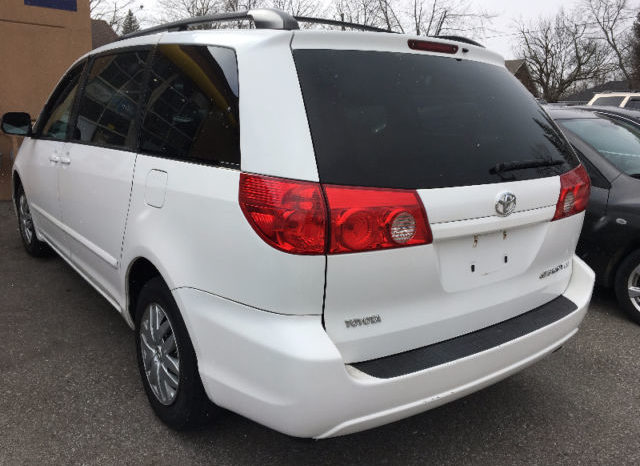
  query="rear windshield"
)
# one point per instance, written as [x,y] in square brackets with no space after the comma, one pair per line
[403,120]
[616,140]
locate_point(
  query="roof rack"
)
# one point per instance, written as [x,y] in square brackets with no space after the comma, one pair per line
[270,18]
[334,22]
[263,18]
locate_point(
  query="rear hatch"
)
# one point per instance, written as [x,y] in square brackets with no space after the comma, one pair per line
[465,134]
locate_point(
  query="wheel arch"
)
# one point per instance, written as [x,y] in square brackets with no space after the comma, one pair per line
[139,272]
[617,259]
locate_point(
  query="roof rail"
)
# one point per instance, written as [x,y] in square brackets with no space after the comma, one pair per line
[270,18]
[334,22]
[263,18]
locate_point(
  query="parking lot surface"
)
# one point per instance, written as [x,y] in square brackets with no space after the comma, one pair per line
[70,393]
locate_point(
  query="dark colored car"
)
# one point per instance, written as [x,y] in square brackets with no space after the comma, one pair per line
[608,142]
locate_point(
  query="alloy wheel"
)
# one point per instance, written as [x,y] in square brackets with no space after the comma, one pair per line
[160,354]
[633,286]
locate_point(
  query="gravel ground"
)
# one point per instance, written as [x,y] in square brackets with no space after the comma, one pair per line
[70,394]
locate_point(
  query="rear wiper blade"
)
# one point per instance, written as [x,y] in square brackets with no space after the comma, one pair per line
[523,164]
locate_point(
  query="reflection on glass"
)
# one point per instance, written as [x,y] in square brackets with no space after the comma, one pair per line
[109,104]
[192,109]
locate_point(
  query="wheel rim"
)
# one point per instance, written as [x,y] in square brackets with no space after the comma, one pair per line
[633,287]
[160,354]
[26,222]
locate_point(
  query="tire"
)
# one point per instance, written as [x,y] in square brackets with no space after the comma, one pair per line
[32,244]
[627,285]
[170,375]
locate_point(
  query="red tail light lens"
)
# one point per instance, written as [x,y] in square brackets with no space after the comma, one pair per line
[364,219]
[293,215]
[574,193]
[289,215]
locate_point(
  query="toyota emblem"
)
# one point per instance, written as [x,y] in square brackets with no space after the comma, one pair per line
[505,203]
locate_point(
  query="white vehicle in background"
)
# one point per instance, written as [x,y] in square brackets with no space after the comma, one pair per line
[323,231]
[628,100]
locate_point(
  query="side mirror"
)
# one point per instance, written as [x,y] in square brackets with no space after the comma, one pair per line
[18,123]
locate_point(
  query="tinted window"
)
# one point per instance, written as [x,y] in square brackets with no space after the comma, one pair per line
[55,118]
[617,141]
[109,103]
[415,121]
[608,101]
[192,108]
[633,104]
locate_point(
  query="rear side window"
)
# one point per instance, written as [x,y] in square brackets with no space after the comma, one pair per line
[54,121]
[109,103]
[191,111]
[403,120]
[608,101]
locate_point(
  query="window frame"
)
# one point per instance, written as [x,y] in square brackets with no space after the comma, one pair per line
[46,110]
[137,118]
[195,161]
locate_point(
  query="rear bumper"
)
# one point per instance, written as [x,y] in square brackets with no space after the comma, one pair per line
[285,372]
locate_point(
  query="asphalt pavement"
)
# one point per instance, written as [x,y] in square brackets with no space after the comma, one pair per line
[70,393]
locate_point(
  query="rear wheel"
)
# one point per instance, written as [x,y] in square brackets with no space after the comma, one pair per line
[627,285]
[31,243]
[167,360]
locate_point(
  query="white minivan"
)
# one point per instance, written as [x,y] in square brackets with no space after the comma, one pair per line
[324,231]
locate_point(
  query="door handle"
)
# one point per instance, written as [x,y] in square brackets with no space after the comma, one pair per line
[65,160]
[54,158]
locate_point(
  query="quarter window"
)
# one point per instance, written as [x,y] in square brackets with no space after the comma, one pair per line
[191,112]
[109,103]
[55,119]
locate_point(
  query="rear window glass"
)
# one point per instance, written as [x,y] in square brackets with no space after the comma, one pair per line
[608,101]
[616,140]
[191,112]
[405,120]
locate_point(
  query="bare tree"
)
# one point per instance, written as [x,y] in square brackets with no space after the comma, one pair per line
[180,9]
[365,12]
[297,7]
[635,50]
[611,16]
[438,17]
[560,54]
[112,11]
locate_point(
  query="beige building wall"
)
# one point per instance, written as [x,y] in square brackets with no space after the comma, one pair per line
[37,45]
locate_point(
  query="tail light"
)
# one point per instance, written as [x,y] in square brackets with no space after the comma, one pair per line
[299,218]
[574,193]
[364,219]
[289,215]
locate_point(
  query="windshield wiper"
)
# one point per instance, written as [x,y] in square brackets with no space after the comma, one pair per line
[523,164]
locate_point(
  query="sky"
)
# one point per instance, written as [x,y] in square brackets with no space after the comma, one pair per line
[499,35]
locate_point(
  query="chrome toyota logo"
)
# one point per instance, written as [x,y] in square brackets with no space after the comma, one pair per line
[505,203]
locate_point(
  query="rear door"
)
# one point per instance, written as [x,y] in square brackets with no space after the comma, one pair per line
[463,133]
[96,171]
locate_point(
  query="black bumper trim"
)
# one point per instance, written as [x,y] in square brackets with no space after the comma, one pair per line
[466,345]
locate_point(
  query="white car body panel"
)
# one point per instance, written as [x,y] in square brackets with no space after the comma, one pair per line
[329,398]
[95,185]
[41,186]
[199,249]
